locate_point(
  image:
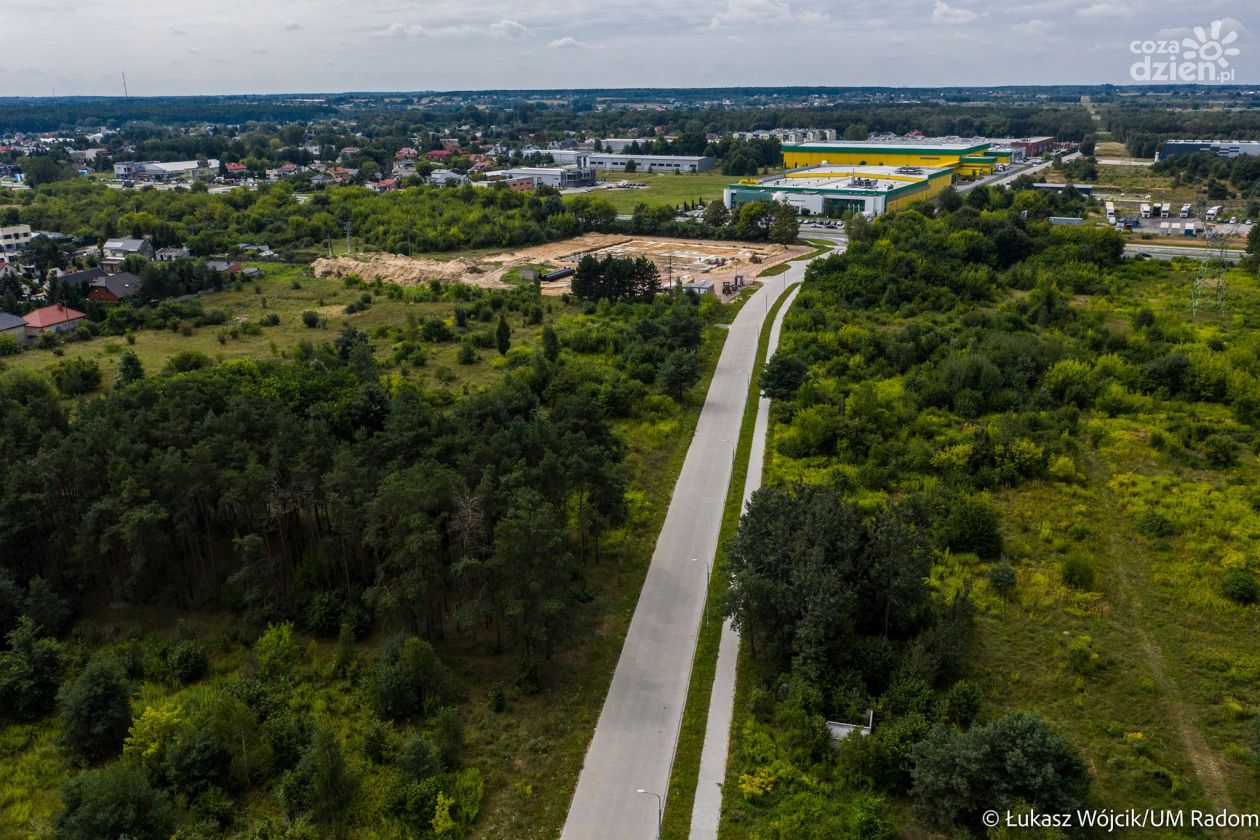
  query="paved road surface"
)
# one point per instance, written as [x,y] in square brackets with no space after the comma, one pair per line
[634,741]
[706,810]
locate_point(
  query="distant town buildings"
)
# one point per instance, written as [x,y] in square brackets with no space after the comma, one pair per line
[1222,148]
[787,135]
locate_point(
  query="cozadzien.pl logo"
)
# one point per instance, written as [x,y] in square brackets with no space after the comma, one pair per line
[1202,58]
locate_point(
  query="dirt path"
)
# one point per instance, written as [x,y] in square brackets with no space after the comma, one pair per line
[1131,582]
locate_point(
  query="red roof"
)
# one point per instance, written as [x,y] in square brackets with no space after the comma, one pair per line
[51,316]
[438,153]
[234,167]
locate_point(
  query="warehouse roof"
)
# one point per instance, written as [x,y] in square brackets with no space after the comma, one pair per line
[890,146]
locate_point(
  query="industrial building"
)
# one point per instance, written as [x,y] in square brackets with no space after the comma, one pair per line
[1223,148]
[650,163]
[560,177]
[965,159]
[152,170]
[832,190]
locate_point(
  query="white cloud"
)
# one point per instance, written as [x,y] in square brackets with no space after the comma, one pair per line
[405,30]
[762,13]
[1033,28]
[1102,11]
[508,29]
[568,42]
[943,13]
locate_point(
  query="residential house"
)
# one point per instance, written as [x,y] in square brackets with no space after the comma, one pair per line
[384,185]
[223,266]
[236,170]
[349,152]
[13,238]
[9,271]
[81,280]
[447,178]
[172,254]
[115,251]
[56,319]
[451,144]
[113,287]
[13,325]
[406,153]
[284,170]
[438,154]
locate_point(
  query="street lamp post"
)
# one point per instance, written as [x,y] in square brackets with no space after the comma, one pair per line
[660,810]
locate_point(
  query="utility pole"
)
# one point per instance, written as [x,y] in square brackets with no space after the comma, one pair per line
[124,77]
[348,248]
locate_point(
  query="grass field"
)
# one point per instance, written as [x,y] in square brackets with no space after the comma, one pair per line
[667,190]
[287,291]
[1150,670]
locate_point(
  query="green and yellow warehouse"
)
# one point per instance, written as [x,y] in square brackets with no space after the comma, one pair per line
[833,190]
[965,160]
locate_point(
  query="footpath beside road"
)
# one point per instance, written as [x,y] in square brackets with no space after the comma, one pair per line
[637,733]
[706,809]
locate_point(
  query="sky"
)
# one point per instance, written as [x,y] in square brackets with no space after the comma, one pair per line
[171,47]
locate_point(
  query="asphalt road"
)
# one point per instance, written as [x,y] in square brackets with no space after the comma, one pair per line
[634,742]
[706,809]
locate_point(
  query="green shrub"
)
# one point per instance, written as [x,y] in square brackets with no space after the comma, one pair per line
[95,712]
[418,758]
[1077,572]
[1240,586]
[321,785]
[973,524]
[1081,657]
[186,660]
[1017,758]
[406,678]
[30,671]
[9,346]
[310,319]
[1001,577]
[76,376]
[1155,525]
[114,803]
[271,319]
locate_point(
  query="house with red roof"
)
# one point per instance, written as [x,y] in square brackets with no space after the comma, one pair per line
[235,170]
[406,153]
[57,318]
[384,185]
[438,154]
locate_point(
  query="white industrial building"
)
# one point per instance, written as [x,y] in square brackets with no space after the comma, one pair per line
[650,163]
[152,170]
[560,177]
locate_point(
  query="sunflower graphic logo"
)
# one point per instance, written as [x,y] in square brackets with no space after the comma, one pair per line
[1210,45]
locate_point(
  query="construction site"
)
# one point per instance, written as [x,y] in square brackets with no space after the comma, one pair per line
[697,264]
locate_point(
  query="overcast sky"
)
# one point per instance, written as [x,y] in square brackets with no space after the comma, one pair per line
[269,46]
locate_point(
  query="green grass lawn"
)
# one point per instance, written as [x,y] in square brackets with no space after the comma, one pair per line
[669,190]
[276,294]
